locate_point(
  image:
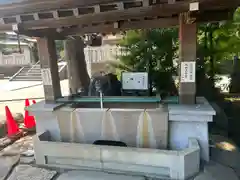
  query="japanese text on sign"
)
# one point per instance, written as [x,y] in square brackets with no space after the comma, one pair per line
[188,71]
[46,76]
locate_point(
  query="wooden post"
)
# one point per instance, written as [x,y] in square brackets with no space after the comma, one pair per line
[188,51]
[49,69]
[77,68]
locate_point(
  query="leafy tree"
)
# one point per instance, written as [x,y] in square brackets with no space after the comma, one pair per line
[220,42]
[217,42]
[59,48]
[152,51]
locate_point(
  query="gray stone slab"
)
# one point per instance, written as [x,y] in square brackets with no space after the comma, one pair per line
[94,175]
[23,145]
[27,160]
[43,106]
[224,157]
[6,165]
[220,172]
[27,172]
[205,176]
[196,109]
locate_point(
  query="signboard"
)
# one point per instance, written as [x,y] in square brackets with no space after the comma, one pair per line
[188,71]
[46,76]
[135,81]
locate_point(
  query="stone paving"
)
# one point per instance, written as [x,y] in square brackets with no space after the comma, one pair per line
[27,172]
[90,175]
[215,171]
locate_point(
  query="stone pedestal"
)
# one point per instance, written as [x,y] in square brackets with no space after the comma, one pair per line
[187,121]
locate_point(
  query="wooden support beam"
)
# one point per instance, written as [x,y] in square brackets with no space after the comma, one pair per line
[126,25]
[133,13]
[205,16]
[49,69]
[164,10]
[214,16]
[77,68]
[42,33]
[34,6]
[102,28]
[187,57]
[123,26]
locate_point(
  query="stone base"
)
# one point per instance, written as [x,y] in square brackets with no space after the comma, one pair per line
[134,161]
[93,175]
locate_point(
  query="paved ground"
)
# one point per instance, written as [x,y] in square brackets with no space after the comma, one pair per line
[8,93]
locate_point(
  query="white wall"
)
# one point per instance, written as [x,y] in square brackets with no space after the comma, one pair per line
[16,58]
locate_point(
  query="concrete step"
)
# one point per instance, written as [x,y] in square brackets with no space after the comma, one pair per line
[30,74]
[95,175]
[27,79]
[35,69]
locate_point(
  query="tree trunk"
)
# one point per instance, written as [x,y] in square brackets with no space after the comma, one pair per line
[211,73]
[235,76]
[77,68]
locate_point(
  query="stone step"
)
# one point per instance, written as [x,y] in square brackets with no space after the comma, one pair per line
[34,70]
[27,80]
[30,74]
[28,77]
[95,175]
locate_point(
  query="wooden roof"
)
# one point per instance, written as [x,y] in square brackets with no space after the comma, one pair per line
[65,17]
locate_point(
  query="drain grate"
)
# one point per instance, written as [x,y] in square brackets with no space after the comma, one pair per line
[110,143]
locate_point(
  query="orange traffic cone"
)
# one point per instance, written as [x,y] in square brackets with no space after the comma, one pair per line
[34,102]
[12,126]
[29,121]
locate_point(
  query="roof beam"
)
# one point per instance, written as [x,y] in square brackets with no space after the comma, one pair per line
[35,6]
[48,5]
[164,10]
[126,25]
[123,26]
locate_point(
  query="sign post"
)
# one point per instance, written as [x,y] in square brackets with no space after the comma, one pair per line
[188,70]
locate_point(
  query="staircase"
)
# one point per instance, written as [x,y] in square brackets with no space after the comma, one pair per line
[32,73]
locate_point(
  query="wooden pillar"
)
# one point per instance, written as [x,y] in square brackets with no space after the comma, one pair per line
[49,69]
[77,68]
[187,56]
